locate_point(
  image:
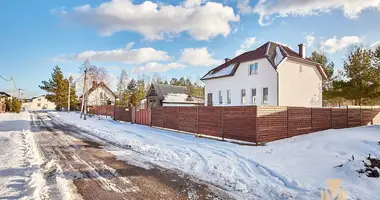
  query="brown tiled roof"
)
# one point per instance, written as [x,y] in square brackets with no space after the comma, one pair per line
[267,50]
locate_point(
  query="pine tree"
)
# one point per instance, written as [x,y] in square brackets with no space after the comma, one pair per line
[57,88]
[327,66]
[16,105]
[359,71]
[132,93]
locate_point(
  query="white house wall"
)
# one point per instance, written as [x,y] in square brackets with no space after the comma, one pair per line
[266,77]
[39,103]
[299,85]
[94,99]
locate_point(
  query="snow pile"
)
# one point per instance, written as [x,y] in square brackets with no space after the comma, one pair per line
[294,168]
[20,174]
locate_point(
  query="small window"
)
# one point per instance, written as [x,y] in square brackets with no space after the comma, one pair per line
[253,97]
[265,95]
[253,68]
[243,96]
[220,97]
[38,105]
[228,96]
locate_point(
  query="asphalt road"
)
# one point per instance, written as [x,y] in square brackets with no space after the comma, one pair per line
[97,174]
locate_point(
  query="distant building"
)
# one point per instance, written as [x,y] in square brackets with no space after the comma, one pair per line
[99,95]
[170,95]
[38,103]
[3,97]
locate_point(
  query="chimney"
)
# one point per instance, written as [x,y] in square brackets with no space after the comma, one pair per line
[302,50]
[226,60]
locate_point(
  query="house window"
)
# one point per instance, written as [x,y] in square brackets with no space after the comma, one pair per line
[38,105]
[220,97]
[243,96]
[265,95]
[253,68]
[209,99]
[228,96]
[253,95]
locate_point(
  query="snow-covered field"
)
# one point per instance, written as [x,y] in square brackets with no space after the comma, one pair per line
[294,168]
[20,173]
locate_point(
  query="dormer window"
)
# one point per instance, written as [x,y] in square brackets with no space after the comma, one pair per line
[253,68]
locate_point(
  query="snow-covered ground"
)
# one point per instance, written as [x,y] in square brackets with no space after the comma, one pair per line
[294,168]
[20,160]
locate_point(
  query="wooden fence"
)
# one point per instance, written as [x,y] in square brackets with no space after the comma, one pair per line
[260,123]
[246,123]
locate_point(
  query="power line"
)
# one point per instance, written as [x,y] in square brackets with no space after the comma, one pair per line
[14,84]
[4,78]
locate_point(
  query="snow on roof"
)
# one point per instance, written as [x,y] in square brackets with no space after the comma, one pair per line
[222,72]
[180,98]
[175,97]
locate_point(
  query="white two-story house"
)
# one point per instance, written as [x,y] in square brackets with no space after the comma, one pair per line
[272,74]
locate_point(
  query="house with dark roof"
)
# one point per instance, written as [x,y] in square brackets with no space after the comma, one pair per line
[272,74]
[170,95]
[99,95]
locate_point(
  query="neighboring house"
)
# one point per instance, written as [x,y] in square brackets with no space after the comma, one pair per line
[38,103]
[100,94]
[3,97]
[273,74]
[170,95]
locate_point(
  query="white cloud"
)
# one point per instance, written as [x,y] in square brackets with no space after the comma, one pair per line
[246,45]
[129,46]
[375,45]
[309,40]
[271,9]
[155,21]
[198,57]
[244,7]
[127,55]
[157,67]
[335,44]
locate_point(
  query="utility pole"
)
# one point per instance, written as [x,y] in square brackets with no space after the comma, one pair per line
[11,89]
[18,96]
[68,100]
[84,107]
[11,84]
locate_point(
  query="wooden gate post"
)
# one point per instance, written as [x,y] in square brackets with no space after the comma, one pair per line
[162,118]
[133,111]
[113,116]
[197,119]
[222,123]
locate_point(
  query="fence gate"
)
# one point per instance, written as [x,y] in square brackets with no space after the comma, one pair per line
[143,116]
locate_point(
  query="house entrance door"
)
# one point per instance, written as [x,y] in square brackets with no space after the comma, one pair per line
[209,99]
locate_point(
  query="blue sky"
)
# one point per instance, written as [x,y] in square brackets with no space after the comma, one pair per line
[170,38]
